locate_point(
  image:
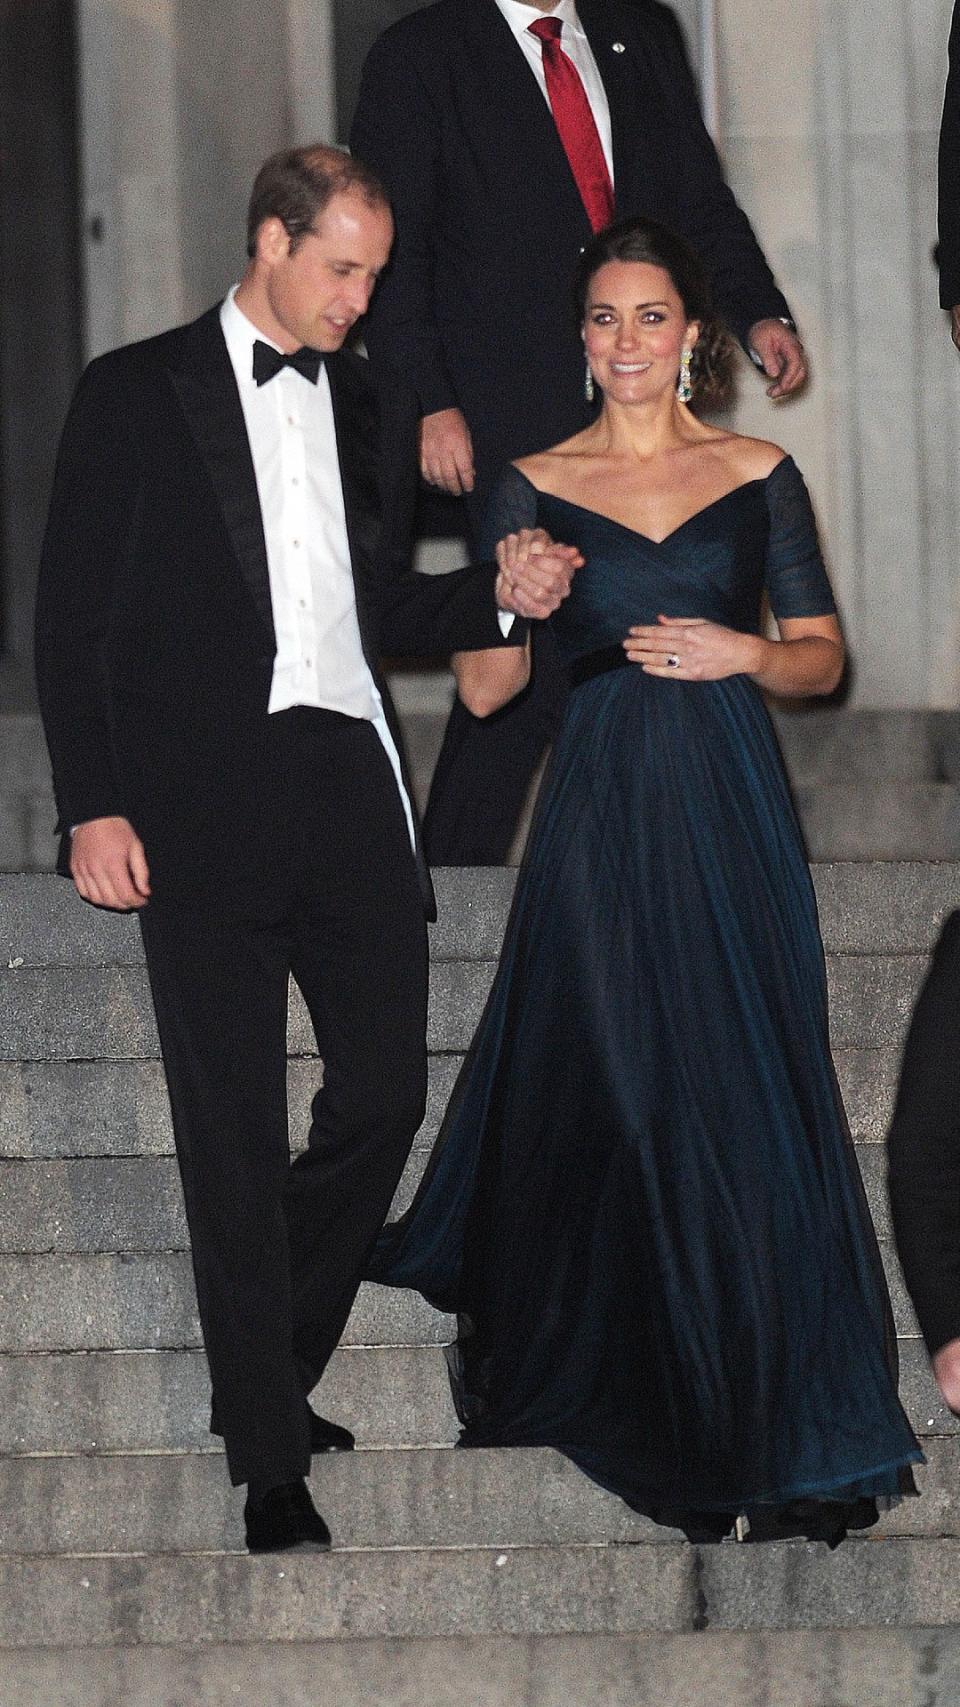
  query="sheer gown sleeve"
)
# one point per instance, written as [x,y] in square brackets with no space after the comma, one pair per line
[797,583]
[512,505]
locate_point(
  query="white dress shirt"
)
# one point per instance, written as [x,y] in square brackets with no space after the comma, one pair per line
[319,660]
[576,46]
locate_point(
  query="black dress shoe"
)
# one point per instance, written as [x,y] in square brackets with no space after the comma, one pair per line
[285,1520]
[324,1436]
[327,1436]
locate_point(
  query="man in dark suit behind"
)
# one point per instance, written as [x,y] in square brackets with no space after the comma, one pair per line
[492,207]
[226,557]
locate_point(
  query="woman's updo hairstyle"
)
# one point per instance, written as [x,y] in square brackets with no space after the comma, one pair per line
[711,370]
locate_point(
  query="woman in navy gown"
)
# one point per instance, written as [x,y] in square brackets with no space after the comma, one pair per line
[644,1206]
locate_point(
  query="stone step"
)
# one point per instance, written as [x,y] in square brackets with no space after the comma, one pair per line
[87,1013]
[159,1401]
[91,1600]
[60,1110]
[427,1497]
[83,1013]
[44,923]
[430,1497]
[723,1668]
[69,1109]
[134,1301]
[136,1204]
[865,907]
[137,1302]
[860,821]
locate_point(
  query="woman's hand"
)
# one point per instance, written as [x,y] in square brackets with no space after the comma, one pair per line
[807,659]
[692,650]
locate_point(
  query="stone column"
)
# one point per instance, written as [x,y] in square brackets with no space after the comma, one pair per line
[830,111]
[180,101]
[130,169]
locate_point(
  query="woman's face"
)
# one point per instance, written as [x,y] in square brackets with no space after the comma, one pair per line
[635,330]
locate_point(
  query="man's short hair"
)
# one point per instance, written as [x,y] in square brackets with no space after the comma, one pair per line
[295,186]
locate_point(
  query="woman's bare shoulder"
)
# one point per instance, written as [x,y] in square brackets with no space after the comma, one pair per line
[752,459]
[548,468]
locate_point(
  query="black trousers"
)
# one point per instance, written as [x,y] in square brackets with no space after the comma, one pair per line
[924,1148]
[278,1249]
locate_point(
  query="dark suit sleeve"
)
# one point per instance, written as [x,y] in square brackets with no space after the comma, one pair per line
[950,175]
[395,130]
[924,1148]
[708,213]
[91,515]
[417,613]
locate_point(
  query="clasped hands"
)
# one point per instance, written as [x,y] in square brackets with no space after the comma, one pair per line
[534,573]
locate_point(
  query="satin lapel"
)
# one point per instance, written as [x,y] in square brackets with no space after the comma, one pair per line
[204,382]
[357,424]
[622,74]
[517,111]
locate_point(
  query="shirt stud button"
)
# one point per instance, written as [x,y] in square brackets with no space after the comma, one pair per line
[619,47]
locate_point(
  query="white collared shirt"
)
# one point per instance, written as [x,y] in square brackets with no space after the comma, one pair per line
[576,46]
[290,426]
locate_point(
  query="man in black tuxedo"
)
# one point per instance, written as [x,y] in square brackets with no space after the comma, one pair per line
[493,201]
[923,1148]
[226,557]
[949,250]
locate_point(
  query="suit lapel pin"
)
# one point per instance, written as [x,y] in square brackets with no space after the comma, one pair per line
[619,47]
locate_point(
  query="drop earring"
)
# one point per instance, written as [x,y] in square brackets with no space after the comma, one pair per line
[589,389]
[684,383]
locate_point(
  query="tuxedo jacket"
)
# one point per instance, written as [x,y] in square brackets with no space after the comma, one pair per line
[477,304]
[155,639]
[949,254]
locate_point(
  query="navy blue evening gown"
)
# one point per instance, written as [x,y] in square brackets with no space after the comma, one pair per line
[644,1206]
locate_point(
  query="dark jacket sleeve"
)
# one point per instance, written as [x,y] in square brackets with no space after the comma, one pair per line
[419,613]
[949,217]
[924,1148]
[92,509]
[744,287]
[396,131]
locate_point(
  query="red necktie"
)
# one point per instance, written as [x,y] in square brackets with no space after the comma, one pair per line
[575,124]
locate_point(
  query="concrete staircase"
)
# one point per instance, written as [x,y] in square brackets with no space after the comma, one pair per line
[485,1578]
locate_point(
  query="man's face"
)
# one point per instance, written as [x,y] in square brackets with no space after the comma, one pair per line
[319,290]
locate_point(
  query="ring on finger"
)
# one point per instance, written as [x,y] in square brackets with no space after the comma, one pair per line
[673,661]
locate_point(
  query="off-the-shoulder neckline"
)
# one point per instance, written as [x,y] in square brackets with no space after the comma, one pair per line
[695,515]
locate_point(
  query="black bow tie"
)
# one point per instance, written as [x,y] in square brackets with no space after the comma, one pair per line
[267,361]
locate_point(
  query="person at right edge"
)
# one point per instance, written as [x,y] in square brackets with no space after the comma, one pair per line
[949,214]
[507,131]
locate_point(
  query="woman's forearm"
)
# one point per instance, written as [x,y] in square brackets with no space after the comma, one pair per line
[791,669]
[489,679]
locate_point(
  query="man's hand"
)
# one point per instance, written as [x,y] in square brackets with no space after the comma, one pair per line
[781,353]
[946,1369]
[108,864]
[535,574]
[446,452]
[955,325]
